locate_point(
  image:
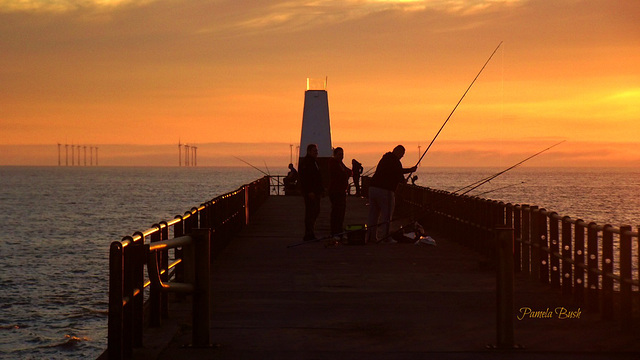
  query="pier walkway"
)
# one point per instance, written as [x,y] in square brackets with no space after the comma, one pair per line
[391,301]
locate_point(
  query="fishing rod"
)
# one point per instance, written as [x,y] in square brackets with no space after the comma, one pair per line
[368,172]
[252,166]
[454,109]
[266,167]
[488,179]
[500,188]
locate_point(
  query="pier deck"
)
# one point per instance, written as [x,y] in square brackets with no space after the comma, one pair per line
[395,301]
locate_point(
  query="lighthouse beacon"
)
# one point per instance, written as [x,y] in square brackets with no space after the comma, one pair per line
[316,127]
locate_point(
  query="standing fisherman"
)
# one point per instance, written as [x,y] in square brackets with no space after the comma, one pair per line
[389,173]
[312,189]
[338,186]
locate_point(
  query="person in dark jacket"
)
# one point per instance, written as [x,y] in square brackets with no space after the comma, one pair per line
[311,186]
[291,180]
[338,186]
[389,173]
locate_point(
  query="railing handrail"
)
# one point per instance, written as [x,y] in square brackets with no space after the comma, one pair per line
[224,216]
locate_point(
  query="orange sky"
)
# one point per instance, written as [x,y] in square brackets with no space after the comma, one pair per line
[148,73]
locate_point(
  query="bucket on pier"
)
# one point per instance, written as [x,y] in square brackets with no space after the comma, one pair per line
[356,234]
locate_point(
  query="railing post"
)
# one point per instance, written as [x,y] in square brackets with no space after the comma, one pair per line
[178,231]
[128,311]
[607,272]
[164,297]
[638,260]
[535,242]
[504,287]
[554,250]
[115,321]
[200,312]
[155,296]
[195,218]
[566,256]
[579,264]
[543,250]
[248,204]
[626,301]
[526,239]
[517,235]
[204,217]
[215,210]
[138,260]
[592,264]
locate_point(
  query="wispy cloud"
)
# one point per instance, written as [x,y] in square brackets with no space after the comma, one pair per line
[58,6]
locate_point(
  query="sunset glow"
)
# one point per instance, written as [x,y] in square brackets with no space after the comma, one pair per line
[135,76]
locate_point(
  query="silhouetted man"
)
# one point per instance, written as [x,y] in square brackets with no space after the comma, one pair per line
[312,189]
[339,175]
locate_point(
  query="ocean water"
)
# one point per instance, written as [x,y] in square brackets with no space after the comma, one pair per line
[604,195]
[58,223]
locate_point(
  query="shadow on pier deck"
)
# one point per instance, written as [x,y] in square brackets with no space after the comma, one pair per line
[397,301]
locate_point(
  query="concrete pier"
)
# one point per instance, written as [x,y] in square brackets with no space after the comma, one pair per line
[392,301]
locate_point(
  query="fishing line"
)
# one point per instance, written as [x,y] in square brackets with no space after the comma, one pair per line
[500,188]
[266,167]
[252,166]
[481,182]
[454,109]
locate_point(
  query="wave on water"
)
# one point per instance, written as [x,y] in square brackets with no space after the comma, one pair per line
[34,343]
[12,327]
[69,342]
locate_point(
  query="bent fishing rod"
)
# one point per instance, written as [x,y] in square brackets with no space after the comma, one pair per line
[454,109]
[479,183]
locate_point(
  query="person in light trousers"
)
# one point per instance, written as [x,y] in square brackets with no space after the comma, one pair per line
[382,200]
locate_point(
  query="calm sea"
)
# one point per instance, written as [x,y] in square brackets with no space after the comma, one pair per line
[59,221]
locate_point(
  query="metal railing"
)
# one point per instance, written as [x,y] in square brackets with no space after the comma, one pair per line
[172,264]
[595,264]
[277,184]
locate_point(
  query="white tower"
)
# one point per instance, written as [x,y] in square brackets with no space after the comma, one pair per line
[316,127]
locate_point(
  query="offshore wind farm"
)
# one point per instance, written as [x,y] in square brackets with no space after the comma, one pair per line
[78,155]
